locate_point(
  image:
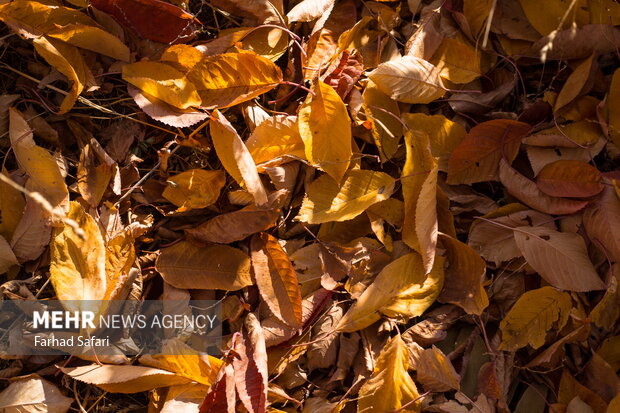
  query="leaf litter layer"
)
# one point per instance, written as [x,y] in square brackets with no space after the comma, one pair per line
[401,206]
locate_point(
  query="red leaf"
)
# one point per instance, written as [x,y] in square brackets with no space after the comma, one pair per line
[152,19]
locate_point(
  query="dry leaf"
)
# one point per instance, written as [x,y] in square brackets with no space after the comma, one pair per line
[601,220]
[568,178]
[435,371]
[275,140]
[33,395]
[251,371]
[194,188]
[220,267]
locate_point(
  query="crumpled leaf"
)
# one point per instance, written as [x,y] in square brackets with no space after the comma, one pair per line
[325,129]
[409,79]
[218,267]
[533,316]
[390,387]
[326,201]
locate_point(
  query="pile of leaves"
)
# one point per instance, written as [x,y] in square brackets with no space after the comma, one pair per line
[400,206]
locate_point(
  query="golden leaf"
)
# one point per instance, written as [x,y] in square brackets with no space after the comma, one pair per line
[194,188]
[533,315]
[325,129]
[383,113]
[390,387]
[327,201]
[275,139]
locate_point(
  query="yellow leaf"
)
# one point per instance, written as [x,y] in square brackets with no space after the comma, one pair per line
[7,257]
[575,84]
[390,387]
[37,162]
[227,79]
[614,404]
[457,60]
[477,12]
[383,114]
[419,185]
[235,157]
[533,316]
[444,134]
[327,201]
[95,169]
[92,38]
[124,379]
[276,139]
[120,257]
[183,360]
[464,277]
[276,279]
[68,61]
[195,188]
[435,371]
[409,79]
[401,290]
[163,82]
[77,261]
[12,205]
[218,267]
[325,129]
[613,108]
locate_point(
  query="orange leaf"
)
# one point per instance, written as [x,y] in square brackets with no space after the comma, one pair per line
[569,178]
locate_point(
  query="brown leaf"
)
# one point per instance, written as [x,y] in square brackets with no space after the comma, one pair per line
[33,394]
[251,371]
[574,179]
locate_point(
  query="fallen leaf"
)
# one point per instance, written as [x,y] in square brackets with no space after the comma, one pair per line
[390,387]
[152,19]
[92,38]
[327,201]
[464,277]
[613,108]
[435,371]
[527,192]
[12,205]
[276,279]
[308,10]
[409,79]
[568,178]
[576,84]
[477,157]
[533,316]
[383,114]
[276,139]
[218,267]
[601,220]
[7,257]
[549,18]
[324,126]
[164,112]
[561,258]
[236,158]
[124,379]
[33,394]
[194,188]
[458,61]
[251,371]
[402,290]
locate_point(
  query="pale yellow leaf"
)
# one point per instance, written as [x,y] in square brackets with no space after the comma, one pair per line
[419,186]
[561,258]
[390,386]
[308,10]
[33,394]
[124,379]
[383,114]
[77,267]
[409,79]
[218,267]
[401,290]
[443,134]
[276,139]
[327,201]
[195,188]
[235,157]
[325,129]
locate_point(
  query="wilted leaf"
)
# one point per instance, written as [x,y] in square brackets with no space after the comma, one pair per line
[327,201]
[527,192]
[533,316]
[561,258]
[251,371]
[574,179]
[419,186]
[194,188]
[124,379]
[435,371]
[464,277]
[276,279]
[390,387]
[218,267]
[477,157]
[325,129]
[409,79]
[33,395]
[401,290]
[236,158]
